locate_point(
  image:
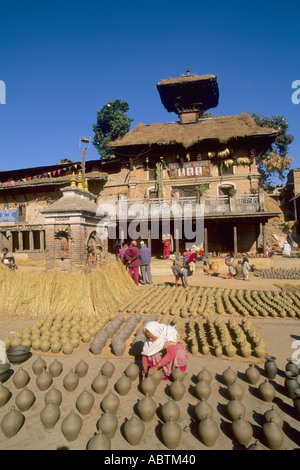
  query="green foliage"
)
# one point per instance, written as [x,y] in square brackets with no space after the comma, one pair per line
[276,161]
[112,123]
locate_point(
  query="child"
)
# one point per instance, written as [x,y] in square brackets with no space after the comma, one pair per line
[245,269]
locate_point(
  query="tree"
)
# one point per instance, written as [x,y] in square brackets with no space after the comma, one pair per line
[112,122]
[276,161]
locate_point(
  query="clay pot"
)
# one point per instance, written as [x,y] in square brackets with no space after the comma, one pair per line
[12,422]
[170,410]
[297,401]
[272,414]
[123,385]
[235,390]
[271,367]
[178,374]
[81,368]
[242,431]
[146,408]
[205,375]
[4,372]
[132,371]
[255,446]
[84,402]
[44,380]
[21,378]
[71,426]
[55,368]
[177,390]
[252,374]
[273,434]
[108,369]
[291,383]
[25,399]
[229,376]
[208,431]
[148,385]
[50,415]
[118,346]
[230,350]
[108,424]
[5,395]
[110,402]
[235,409]
[202,389]
[203,410]
[291,366]
[134,430]
[267,391]
[157,376]
[99,441]
[54,396]
[245,349]
[71,381]
[171,433]
[100,383]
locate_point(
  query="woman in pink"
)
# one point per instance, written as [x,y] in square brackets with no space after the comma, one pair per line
[167,247]
[162,350]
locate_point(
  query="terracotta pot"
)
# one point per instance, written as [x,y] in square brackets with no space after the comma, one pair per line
[170,410]
[21,378]
[100,383]
[273,434]
[171,434]
[81,368]
[272,414]
[148,385]
[208,431]
[178,374]
[252,374]
[71,381]
[44,380]
[235,390]
[108,423]
[55,368]
[146,408]
[110,402]
[229,376]
[85,402]
[242,431]
[202,389]
[25,399]
[177,390]
[123,385]
[203,410]
[108,369]
[132,371]
[271,367]
[205,375]
[235,409]
[54,396]
[267,391]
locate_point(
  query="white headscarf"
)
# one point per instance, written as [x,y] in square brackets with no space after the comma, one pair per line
[164,333]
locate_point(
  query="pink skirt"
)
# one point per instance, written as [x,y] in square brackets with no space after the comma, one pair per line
[180,360]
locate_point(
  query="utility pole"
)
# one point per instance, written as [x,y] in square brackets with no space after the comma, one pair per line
[84,143]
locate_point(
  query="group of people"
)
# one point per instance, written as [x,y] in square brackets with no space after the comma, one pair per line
[182,268]
[137,261]
[229,260]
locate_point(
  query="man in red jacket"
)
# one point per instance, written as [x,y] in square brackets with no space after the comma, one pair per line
[132,256]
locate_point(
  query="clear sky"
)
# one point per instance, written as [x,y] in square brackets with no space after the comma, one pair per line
[62,60]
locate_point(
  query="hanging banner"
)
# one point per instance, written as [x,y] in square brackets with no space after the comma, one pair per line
[9,215]
[189,169]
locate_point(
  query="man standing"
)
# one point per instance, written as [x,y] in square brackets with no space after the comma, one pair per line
[132,257]
[145,260]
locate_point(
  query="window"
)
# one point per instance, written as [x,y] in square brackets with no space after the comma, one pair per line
[226,171]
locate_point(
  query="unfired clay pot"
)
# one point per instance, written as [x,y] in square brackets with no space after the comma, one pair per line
[99,441]
[100,383]
[146,408]
[178,374]
[71,381]
[242,431]
[229,376]
[134,430]
[123,385]
[148,385]
[203,410]
[108,369]
[235,390]
[208,431]
[50,415]
[252,374]
[203,389]
[81,368]
[110,402]
[157,376]
[71,426]
[171,434]
[132,371]
[272,414]
[235,409]
[270,367]
[177,390]
[39,365]
[255,446]
[170,410]
[85,402]
[5,395]
[53,395]
[12,422]
[273,434]
[205,375]
[21,378]
[267,391]
[108,423]
[55,368]
[44,380]
[25,399]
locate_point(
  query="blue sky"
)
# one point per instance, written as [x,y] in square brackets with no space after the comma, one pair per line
[61,61]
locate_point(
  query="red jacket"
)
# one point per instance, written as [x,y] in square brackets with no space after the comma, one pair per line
[132,255]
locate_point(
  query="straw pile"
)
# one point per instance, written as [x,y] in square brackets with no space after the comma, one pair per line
[41,294]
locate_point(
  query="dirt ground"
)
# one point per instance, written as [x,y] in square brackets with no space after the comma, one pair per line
[282,336]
